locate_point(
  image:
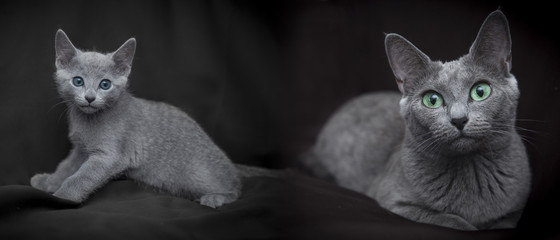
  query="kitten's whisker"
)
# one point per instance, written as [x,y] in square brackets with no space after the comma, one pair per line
[63,113]
[530,120]
[55,105]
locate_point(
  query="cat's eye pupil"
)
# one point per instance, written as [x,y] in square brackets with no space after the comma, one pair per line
[480,91]
[433,99]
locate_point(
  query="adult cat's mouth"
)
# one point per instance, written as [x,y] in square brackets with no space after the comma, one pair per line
[464,143]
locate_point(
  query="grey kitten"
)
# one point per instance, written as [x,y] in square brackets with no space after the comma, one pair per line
[451,155]
[114,133]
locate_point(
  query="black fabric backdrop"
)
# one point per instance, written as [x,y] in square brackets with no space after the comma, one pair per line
[261,77]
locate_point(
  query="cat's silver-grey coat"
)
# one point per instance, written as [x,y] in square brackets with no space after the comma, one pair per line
[113,133]
[445,151]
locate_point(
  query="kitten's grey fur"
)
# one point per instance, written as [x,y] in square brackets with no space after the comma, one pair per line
[113,133]
[461,165]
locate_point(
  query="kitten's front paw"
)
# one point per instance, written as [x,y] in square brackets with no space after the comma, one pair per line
[217,200]
[454,221]
[40,181]
[213,200]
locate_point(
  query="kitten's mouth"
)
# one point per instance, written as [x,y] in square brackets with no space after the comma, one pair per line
[88,109]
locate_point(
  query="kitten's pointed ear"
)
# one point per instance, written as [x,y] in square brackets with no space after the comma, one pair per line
[64,49]
[407,62]
[124,55]
[492,46]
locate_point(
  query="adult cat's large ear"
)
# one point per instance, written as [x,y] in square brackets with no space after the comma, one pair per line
[407,62]
[64,49]
[492,47]
[124,55]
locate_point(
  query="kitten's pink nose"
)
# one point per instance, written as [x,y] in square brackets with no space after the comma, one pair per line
[90,98]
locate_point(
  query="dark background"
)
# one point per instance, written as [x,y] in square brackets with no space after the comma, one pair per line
[261,77]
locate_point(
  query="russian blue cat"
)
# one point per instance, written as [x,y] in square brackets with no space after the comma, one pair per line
[114,133]
[445,151]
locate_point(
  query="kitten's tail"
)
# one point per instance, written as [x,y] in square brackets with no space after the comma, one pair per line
[310,164]
[251,171]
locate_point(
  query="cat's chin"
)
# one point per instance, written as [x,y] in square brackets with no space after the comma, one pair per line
[464,144]
[88,109]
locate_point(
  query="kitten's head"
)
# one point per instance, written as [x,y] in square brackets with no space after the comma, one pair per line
[91,81]
[459,106]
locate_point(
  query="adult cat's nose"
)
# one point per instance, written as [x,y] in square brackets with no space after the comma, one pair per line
[459,123]
[458,114]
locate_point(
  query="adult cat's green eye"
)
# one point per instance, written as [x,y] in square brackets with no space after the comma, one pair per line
[432,100]
[480,91]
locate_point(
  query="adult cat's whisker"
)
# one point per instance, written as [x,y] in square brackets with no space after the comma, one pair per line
[516,127]
[427,145]
[424,135]
[527,130]
[424,140]
[433,146]
[421,146]
[496,133]
[528,140]
[525,138]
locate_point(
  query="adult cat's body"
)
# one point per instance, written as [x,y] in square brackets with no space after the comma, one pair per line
[450,156]
[113,133]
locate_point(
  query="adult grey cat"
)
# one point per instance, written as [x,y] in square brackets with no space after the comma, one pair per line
[113,133]
[451,155]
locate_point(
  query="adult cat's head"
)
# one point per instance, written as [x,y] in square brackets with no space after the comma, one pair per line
[460,106]
[91,81]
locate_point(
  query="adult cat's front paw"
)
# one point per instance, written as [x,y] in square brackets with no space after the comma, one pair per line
[41,181]
[70,194]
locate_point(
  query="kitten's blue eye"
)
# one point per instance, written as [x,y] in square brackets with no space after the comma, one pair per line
[78,81]
[105,84]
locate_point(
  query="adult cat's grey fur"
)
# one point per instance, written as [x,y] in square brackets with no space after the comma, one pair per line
[461,165]
[113,133]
